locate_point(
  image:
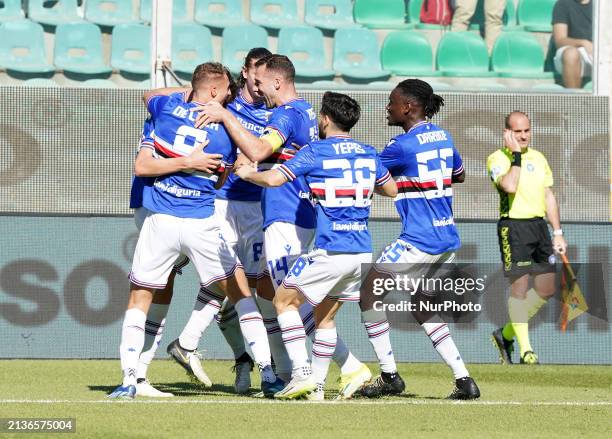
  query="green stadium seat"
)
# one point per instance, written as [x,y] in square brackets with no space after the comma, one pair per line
[518,55]
[22,47]
[356,54]
[536,15]
[275,14]
[551,88]
[588,86]
[237,41]
[110,12]
[304,46]
[10,10]
[398,44]
[329,14]
[219,13]
[414,11]
[179,11]
[78,49]
[381,14]
[53,12]
[98,83]
[131,48]
[40,82]
[191,46]
[463,54]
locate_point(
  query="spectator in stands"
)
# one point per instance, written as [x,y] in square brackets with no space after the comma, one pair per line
[494,12]
[573,35]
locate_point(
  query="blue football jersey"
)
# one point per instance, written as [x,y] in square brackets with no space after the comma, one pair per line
[422,163]
[296,123]
[253,117]
[142,184]
[341,174]
[181,194]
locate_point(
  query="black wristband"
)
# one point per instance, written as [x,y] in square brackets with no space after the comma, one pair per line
[516,159]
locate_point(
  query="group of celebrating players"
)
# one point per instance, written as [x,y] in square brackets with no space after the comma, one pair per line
[300,243]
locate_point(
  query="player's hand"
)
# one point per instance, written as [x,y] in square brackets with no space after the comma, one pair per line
[241,160]
[246,169]
[198,160]
[211,112]
[559,244]
[510,141]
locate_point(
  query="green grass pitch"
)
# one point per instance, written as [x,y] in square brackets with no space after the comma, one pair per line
[517,401]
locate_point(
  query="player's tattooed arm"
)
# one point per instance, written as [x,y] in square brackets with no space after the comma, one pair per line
[255,148]
[146,165]
[271,178]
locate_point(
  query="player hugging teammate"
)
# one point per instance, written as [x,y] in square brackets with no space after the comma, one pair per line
[314,190]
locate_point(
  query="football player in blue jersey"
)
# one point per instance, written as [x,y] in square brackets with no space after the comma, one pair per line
[238,212]
[289,218]
[342,175]
[181,222]
[146,168]
[424,163]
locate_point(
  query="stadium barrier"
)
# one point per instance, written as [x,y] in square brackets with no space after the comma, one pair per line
[66,238]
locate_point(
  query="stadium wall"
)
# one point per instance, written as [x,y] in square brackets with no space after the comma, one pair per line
[66,238]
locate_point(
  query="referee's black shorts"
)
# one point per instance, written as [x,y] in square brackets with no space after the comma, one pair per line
[525,247]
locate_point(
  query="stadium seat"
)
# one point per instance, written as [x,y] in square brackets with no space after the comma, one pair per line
[518,55]
[219,13]
[53,12]
[238,40]
[356,54]
[414,12]
[78,49]
[191,46]
[131,48]
[588,86]
[398,44]
[304,46]
[536,15]
[98,83]
[110,12]
[275,14]
[40,82]
[22,47]
[329,14]
[463,54]
[179,11]
[10,10]
[381,14]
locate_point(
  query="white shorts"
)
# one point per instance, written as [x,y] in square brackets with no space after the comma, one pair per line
[163,238]
[140,214]
[241,225]
[321,273]
[283,244]
[587,62]
[400,257]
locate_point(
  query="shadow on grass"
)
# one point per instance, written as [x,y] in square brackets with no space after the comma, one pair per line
[179,389]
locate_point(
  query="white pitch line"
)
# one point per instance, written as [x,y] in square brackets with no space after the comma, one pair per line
[353,402]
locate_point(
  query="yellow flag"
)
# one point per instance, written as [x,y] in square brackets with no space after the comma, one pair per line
[572,298]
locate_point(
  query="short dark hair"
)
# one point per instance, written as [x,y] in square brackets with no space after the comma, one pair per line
[509,116]
[208,71]
[256,53]
[342,109]
[278,63]
[422,92]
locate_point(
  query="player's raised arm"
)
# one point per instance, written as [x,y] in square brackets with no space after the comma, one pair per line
[255,148]
[167,91]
